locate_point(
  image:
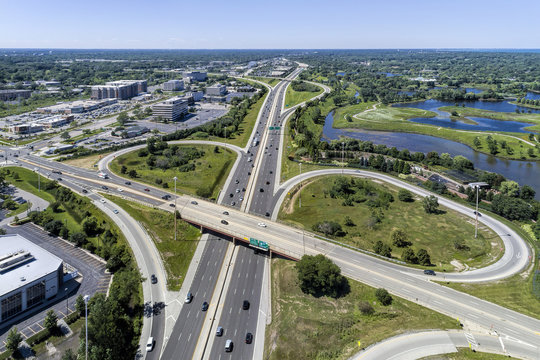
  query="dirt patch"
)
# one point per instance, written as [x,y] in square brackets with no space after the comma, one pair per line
[457,265]
[288,208]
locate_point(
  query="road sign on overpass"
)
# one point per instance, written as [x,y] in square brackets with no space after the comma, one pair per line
[258,244]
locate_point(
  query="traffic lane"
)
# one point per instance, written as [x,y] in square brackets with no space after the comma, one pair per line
[246,284]
[187,328]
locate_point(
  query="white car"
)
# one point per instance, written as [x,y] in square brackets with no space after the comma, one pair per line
[261,224]
[120,189]
[150,344]
[102,200]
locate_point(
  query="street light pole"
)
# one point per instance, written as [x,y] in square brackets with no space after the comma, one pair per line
[86,297]
[300,190]
[67,304]
[175,178]
[342,155]
[476,222]
[38,178]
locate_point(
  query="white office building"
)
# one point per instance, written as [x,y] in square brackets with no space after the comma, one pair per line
[173,85]
[171,109]
[216,90]
[28,276]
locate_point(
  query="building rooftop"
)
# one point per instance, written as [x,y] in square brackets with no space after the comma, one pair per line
[22,262]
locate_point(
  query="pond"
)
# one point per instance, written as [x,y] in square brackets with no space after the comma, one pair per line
[524,172]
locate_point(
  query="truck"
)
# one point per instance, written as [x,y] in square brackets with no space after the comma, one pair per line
[255,141]
[103,175]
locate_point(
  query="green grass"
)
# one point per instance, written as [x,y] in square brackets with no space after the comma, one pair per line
[434,232]
[71,214]
[533,119]
[33,103]
[270,81]
[305,327]
[211,170]
[83,136]
[466,354]
[245,128]
[387,118]
[20,209]
[293,97]
[160,225]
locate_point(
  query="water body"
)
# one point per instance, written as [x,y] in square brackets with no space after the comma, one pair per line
[473,90]
[443,118]
[340,73]
[357,94]
[532,96]
[524,172]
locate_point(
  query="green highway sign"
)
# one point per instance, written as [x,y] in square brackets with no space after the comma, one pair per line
[257,243]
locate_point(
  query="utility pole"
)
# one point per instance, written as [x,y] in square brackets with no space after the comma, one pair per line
[86,298]
[476,222]
[300,190]
[342,155]
[175,178]
[38,179]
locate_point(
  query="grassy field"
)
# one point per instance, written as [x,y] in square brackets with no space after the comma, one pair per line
[386,118]
[245,128]
[305,327]
[211,170]
[270,81]
[434,232]
[71,215]
[293,97]
[86,162]
[159,224]
[34,103]
[466,354]
[533,119]
[20,209]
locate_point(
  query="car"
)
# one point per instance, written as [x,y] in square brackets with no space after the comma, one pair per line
[189,297]
[237,190]
[102,201]
[128,183]
[267,214]
[231,195]
[225,213]
[271,172]
[429,272]
[84,191]
[105,187]
[229,345]
[249,173]
[171,205]
[268,183]
[236,181]
[243,189]
[224,222]
[166,197]
[241,199]
[475,213]
[153,278]
[120,189]
[233,203]
[115,211]
[59,179]
[194,202]
[219,331]
[249,160]
[150,344]
[147,189]
[249,338]
[261,190]
[261,224]
[204,306]
[245,305]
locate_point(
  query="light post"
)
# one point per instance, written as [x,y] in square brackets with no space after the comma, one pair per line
[175,178]
[342,156]
[86,297]
[476,221]
[38,178]
[300,190]
[67,304]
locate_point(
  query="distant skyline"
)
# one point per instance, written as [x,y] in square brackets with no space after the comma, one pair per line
[242,24]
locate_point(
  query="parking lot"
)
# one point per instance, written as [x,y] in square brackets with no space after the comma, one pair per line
[94,280]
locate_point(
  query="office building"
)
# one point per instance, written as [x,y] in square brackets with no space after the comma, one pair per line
[216,90]
[28,276]
[121,89]
[171,109]
[10,95]
[24,129]
[195,75]
[75,107]
[173,85]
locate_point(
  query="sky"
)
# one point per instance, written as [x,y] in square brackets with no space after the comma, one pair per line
[270,24]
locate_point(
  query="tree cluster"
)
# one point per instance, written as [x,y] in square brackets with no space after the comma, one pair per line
[319,276]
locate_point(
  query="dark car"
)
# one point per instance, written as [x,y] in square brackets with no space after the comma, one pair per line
[147,189]
[104,187]
[166,197]
[194,202]
[84,191]
[153,278]
[204,306]
[224,222]
[231,195]
[245,305]
[261,190]
[267,214]
[59,179]
[474,212]
[249,338]
[128,183]
[429,272]
[225,213]
[171,205]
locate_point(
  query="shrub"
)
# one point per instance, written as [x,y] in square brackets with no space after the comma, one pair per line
[405,195]
[382,249]
[383,296]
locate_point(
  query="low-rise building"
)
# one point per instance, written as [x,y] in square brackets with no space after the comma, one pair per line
[75,107]
[216,90]
[196,95]
[173,85]
[27,128]
[195,75]
[171,109]
[55,121]
[134,131]
[10,95]
[28,276]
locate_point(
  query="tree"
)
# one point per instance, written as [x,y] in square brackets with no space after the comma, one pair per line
[423,257]
[122,118]
[65,135]
[132,173]
[318,276]
[349,221]
[383,296]
[431,204]
[382,249]
[477,142]
[123,169]
[14,339]
[329,228]
[405,195]
[399,238]
[527,192]
[54,227]
[409,256]
[509,188]
[90,225]
[51,321]
[78,238]
[69,355]
[80,305]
